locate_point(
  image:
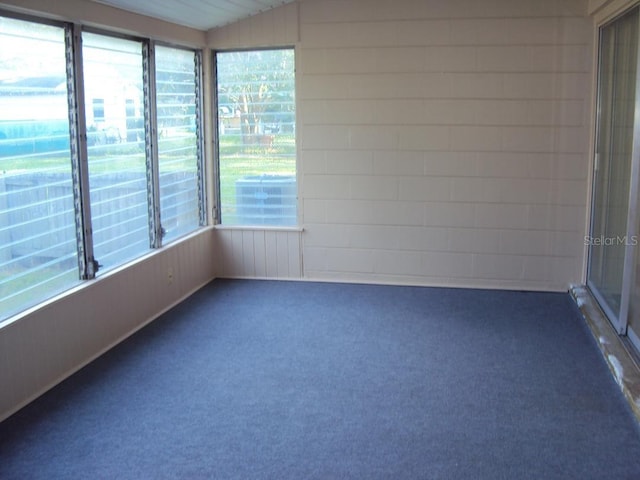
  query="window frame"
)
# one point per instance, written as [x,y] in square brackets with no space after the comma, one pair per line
[42,296]
[200,133]
[156,231]
[87,264]
[216,208]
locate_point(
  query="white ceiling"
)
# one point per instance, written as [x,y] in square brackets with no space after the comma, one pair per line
[200,14]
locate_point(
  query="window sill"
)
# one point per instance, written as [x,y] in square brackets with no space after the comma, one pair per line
[259,228]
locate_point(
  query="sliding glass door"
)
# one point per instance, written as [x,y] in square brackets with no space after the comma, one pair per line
[612,240]
[633,330]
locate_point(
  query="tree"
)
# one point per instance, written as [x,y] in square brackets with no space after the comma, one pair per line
[259,87]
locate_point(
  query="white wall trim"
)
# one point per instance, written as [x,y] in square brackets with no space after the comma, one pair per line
[604,11]
[259,228]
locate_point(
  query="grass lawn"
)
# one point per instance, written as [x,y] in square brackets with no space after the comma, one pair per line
[175,154]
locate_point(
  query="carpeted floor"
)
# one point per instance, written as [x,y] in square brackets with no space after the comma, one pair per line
[293,380]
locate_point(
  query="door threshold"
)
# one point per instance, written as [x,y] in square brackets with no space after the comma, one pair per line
[618,354]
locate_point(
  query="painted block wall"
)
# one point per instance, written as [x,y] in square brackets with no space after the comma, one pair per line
[441,142]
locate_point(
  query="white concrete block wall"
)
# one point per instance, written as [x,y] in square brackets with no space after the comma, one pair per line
[442,142]
[461,127]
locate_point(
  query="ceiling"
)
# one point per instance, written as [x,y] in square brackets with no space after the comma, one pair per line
[199,14]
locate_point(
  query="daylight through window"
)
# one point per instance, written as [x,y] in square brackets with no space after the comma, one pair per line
[256,132]
[38,254]
[71,203]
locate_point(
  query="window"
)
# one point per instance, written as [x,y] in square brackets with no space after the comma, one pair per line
[91,186]
[117,166]
[256,132]
[177,96]
[38,255]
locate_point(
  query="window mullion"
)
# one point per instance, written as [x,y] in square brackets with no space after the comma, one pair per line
[202,197]
[156,232]
[87,264]
[215,208]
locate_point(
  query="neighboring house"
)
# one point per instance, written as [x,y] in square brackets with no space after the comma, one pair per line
[33,114]
[28,120]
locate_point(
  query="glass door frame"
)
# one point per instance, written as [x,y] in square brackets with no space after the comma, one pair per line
[620,321]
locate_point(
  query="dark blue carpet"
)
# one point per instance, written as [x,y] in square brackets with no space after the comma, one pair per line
[286,380]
